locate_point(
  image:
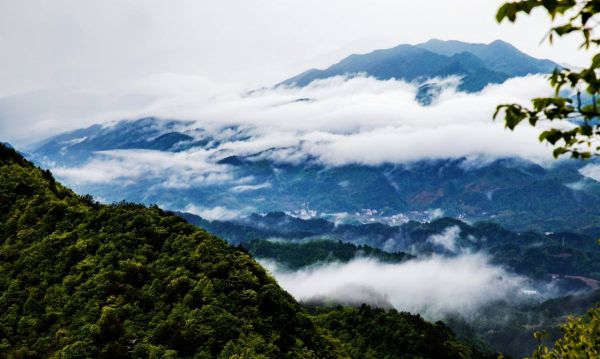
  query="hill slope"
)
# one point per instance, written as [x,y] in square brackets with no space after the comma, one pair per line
[86,280]
[79,279]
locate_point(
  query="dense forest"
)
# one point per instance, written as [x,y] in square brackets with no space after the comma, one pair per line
[80,279]
[298,255]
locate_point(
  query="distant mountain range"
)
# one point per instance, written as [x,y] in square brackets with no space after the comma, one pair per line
[478,65]
[566,255]
[518,194]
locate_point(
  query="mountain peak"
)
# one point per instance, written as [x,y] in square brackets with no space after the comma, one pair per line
[503,45]
[499,42]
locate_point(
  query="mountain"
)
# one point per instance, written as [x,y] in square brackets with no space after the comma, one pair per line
[146,133]
[518,194]
[80,279]
[372,333]
[478,65]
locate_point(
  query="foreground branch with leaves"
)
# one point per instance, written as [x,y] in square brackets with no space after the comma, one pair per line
[575,105]
[575,102]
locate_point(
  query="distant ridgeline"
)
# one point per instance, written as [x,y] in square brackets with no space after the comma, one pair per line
[477,65]
[540,256]
[517,194]
[83,280]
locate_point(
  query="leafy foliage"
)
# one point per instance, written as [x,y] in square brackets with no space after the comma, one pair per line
[581,335]
[509,327]
[579,129]
[581,339]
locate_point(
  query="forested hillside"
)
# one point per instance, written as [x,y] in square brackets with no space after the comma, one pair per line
[79,279]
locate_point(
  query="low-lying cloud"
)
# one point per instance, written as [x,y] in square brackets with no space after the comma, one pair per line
[214,213]
[446,239]
[434,286]
[336,121]
[175,170]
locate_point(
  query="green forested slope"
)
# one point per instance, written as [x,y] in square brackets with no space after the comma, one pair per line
[79,279]
[366,333]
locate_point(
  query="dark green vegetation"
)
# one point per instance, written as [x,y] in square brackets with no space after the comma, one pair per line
[297,255]
[366,332]
[517,194]
[477,64]
[580,339]
[79,279]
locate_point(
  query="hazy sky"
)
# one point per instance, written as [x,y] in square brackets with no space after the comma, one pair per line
[82,42]
[64,59]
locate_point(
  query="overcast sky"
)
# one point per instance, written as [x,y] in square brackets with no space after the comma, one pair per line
[54,46]
[263,41]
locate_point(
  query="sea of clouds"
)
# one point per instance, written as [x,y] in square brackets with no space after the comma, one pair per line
[336,121]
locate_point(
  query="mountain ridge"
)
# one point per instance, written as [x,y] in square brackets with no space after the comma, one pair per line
[512,191]
[498,61]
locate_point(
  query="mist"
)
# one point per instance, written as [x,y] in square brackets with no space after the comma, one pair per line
[434,287]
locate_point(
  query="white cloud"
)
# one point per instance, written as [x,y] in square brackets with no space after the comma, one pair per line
[214,213]
[591,171]
[435,213]
[73,63]
[433,286]
[173,170]
[446,239]
[250,187]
